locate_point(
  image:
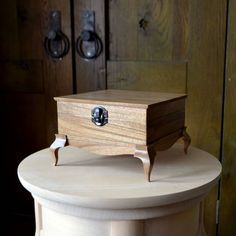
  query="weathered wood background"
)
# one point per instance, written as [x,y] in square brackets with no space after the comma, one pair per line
[190,33]
[153,45]
[29,80]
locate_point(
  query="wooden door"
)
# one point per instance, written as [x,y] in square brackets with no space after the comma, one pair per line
[167,46]
[29,80]
[228,180]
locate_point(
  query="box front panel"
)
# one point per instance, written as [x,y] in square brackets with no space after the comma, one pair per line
[126,127]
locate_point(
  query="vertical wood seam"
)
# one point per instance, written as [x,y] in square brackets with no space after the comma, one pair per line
[225,73]
[73,49]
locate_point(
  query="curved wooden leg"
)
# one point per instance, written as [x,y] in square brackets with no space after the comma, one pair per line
[55,155]
[147,155]
[60,141]
[187,140]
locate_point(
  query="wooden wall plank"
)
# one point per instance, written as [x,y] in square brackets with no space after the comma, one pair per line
[227,225]
[29,81]
[90,75]
[205,84]
[22,76]
[57,73]
[9,46]
[23,44]
[149,76]
[155,41]
[206,73]
[200,41]
[164,34]
[180,30]
[129,41]
[30,34]
[123,26]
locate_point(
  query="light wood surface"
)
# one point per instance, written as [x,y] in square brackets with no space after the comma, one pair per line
[118,181]
[38,218]
[128,228]
[183,223]
[135,99]
[103,196]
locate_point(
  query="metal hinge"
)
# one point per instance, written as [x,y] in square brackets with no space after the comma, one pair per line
[217,211]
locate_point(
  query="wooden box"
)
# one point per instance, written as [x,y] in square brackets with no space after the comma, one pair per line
[115,122]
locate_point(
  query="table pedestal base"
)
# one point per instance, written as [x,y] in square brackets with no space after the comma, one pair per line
[185,223]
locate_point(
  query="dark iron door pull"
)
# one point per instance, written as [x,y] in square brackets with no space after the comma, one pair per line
[88,44]
[56,43]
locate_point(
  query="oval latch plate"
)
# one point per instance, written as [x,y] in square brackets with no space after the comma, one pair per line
[99,116]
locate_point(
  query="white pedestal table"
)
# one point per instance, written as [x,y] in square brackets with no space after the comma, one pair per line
[92,195]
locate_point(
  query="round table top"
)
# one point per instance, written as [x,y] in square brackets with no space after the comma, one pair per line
[118,182]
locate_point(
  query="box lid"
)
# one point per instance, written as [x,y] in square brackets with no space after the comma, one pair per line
[138,99]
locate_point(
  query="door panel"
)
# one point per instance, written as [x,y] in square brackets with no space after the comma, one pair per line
[205,84]
[22,76]
[148,30]
[29,81]
[187,32]
[9,46]
[58,74]
[228,187]
[90,75]
[28,18]
[149,76]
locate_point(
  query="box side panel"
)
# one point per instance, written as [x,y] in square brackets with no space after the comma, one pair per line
[126,127]
[164,119]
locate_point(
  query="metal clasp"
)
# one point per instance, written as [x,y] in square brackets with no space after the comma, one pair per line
[99,116]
